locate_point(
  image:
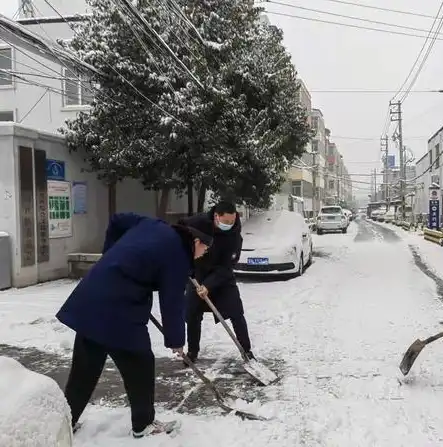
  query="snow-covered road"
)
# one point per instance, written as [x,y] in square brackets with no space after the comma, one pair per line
[339,333]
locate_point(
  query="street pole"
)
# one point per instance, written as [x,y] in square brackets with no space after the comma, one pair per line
[396,116]
[314,183]
[375,184]
[338,180]
[385,150]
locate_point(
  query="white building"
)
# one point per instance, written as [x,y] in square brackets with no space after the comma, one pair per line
[429,171]
[34,104]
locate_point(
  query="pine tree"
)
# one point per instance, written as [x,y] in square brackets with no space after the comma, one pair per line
[150,121]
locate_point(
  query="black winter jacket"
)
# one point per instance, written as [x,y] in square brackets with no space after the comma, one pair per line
[216,268]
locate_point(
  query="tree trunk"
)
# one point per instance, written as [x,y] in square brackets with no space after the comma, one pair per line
[190,198]
[112,199]
[164,202]
[201,198]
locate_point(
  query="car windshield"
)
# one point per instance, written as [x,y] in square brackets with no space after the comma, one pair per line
[331,210]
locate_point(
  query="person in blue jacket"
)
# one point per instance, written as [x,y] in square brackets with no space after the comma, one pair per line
[110,308]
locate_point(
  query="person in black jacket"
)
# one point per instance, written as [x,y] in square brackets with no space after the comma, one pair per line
[110,308]
[215,273]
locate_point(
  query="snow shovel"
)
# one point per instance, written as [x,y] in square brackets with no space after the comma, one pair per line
[413,352]
[221,402]
[254,368]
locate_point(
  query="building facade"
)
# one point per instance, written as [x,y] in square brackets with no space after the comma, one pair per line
[51,204]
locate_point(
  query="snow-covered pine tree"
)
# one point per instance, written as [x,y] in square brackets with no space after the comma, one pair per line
[151,122]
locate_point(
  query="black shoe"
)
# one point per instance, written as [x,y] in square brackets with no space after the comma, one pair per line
[250,355]
[191,356]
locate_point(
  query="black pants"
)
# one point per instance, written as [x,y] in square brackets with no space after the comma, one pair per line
[136,368]
[194,330]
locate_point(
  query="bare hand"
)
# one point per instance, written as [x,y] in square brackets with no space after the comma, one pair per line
[178,351]
[202,292]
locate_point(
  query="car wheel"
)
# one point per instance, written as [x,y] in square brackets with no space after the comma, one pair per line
[300,266]
[344,231]
[310,259]
[319,232]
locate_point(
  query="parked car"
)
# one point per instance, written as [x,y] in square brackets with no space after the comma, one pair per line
[390,216]
[348,215]
[275,243]
[332,219]
[381,215]
[33,409]
[374,214]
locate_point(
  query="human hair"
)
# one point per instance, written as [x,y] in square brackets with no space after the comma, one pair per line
[225,207]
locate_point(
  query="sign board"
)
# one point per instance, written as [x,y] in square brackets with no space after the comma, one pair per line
[60,209]
[55,170]
[391,161]
[80,194]
[434,208]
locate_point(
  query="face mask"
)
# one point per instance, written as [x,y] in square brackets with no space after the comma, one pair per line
[225,227]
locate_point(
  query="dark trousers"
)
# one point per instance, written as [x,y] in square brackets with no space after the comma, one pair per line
[194,330]
[136,368]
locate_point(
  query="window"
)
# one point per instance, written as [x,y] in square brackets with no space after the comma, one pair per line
[76,90]
[430,159]
[5,64]
[314,123]
[331,184]
[296,188]
[6,116]
[437,156]
[315,146]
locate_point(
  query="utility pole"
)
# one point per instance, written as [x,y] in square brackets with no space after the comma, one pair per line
[338,180]
[396,116]
[385,149]
[314,182]
[27,8]
[375,185]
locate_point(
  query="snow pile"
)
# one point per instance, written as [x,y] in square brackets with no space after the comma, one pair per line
[273,231]
[33,410]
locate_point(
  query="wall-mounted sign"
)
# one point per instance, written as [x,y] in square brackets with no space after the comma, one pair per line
[79,195]
[60,209]
[55,170]
[391,161]
[434,208]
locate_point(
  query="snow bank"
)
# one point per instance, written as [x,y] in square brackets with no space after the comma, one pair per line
[33,410]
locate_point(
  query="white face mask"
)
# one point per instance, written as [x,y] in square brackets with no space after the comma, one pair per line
[224,227]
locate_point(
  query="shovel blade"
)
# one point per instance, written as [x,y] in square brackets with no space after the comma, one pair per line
[260,372]
[411,355]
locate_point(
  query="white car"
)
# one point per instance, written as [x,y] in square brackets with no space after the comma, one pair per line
[33,409]
[390,216]
[275,243]
[332,219]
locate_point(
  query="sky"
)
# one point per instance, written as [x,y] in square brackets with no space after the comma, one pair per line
[330,57]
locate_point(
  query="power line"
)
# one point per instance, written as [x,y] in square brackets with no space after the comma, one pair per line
[344,16]
[419,55]
[357,91]
[125,80]
[378,8]
[34,106]
[329,22]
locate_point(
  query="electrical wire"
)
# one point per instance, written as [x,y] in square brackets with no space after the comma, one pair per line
[125,80]
[414,65]
[379,8]
[344,16]
[329,22]
[34,106]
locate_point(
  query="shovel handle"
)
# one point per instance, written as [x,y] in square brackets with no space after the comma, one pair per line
[222,321]
[433,338]
[190,363]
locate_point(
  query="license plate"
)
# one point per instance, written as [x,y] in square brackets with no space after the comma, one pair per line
[331,217]
[258,261]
